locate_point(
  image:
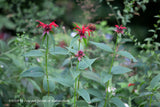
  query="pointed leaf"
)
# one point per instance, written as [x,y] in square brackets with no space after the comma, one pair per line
[85,41]
[68,82]
[84,94]
[81,103]
[33,53]
[33,72]
[58,51]
[145,94]
[120,70]
[155,81]
[85,63]
[74,40]
[36,86]
[128,55]
[44,37]
[102,46]
[95,92]
[106,78]
[91,75]
[75,73]
[117,102]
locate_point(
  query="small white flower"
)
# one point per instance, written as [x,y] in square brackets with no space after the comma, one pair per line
[38,60]
[73,34]
[112,89]
[136,91]
[2,66]
[126,105]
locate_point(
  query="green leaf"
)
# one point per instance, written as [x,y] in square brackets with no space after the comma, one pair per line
[117,102]
[120,70]
[43,38]
[33,53]
[145,94]
[107,78]
[155,81]
[81,103]
[91,75]
[71,50]
[68,82]
[74,40]
[85,41]
[75,73]
[95,92]
[33,72]
[127,54]
[58,51]
[151,30]
[51,84]
[48,101]
[84,94]
[36,86]
[85,63]
[102,46]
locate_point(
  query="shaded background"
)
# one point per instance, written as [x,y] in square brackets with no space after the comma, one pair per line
[20,15]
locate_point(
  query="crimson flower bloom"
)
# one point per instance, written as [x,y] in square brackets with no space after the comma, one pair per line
[82,31]
[62,44]
[91,27]
[130,84]
[119,29]
[80,54]
[46,27]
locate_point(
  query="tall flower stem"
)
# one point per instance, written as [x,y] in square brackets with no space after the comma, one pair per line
[150,102]
[78,64]
[46,62]
[77,78]
[110,81]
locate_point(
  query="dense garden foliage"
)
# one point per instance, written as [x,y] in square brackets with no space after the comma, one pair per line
[78,54]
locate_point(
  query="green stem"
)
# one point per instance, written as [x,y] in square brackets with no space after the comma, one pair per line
[77,78]
[150,100]
[110,81]
[46,58]
[75,89]
[78,63]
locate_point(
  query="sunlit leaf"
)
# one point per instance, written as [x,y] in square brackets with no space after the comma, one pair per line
[127,54]
[33,53]
[102,46]
[33,72]
[84,94]
[120,70]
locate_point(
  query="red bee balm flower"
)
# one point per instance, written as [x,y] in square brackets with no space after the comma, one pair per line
[91,27]
[130,84]
[80,54]
[46,27]
[119,29]
[82,31]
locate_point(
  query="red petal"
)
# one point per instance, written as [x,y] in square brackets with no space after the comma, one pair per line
[41,24]
[116,26]
[123,28]
[54,24]
[130,84]
[76,26]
